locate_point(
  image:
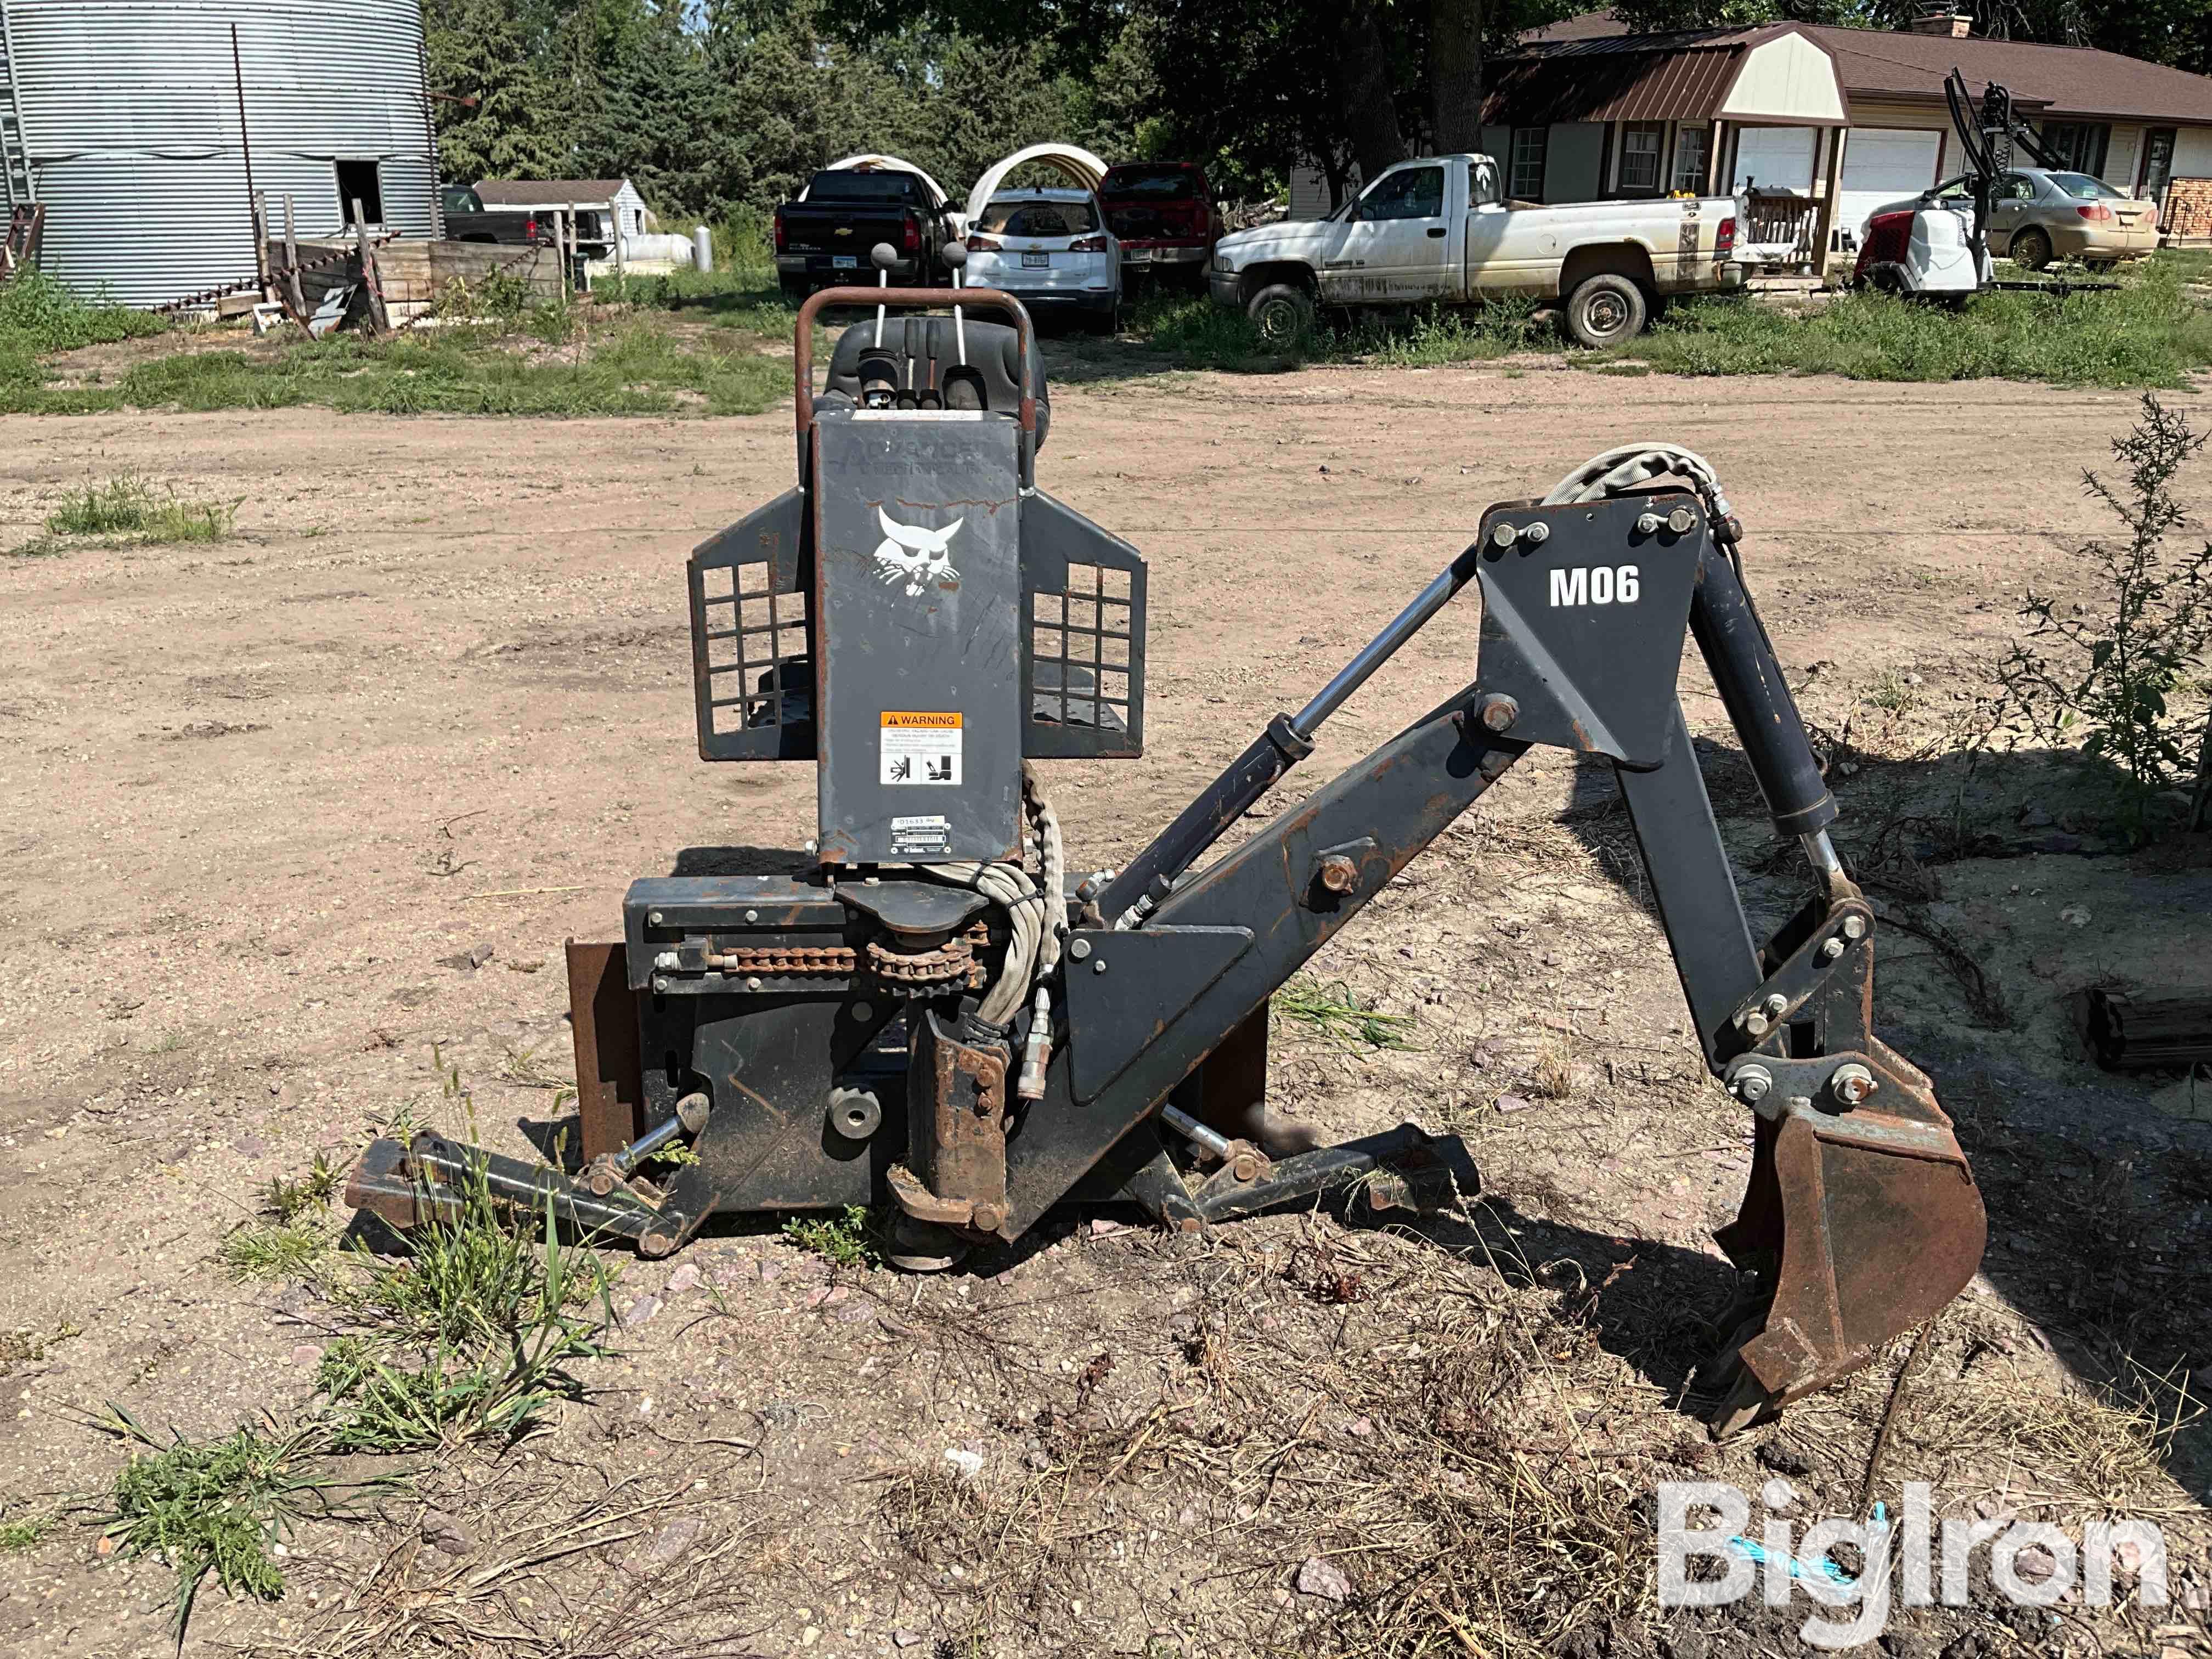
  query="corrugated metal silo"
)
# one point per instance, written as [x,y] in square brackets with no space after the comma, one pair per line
[131,116]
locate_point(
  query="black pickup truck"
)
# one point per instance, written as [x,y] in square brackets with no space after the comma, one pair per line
[826,235]
[468,220]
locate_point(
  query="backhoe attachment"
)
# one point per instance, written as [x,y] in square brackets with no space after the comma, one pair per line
[928,1010]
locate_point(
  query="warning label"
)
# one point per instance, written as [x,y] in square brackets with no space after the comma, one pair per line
[920,748]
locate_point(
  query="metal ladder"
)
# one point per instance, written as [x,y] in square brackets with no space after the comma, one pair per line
[14,157]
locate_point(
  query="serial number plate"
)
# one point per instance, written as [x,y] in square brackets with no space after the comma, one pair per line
[1036,261]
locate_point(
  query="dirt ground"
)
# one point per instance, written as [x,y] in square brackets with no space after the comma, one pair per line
[281,816]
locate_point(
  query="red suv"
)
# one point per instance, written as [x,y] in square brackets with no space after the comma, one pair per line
[1164,216]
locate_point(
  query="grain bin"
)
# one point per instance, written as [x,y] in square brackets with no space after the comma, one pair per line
[131,117]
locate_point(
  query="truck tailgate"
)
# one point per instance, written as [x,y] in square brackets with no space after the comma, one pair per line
[841,229]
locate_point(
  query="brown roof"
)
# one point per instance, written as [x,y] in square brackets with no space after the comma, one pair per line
[2072,79]
[1882,63]
[1595,81]
[536,192]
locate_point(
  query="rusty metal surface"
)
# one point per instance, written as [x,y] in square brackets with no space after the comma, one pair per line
[602,1023]
[956,1138]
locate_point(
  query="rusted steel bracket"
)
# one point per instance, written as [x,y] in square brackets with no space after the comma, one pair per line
[427,1180]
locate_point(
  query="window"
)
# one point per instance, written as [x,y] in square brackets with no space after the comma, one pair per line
[2015,187]
[1528,144]
[2079,145]
[1690,157]
[357,182]
[1482,188]
[1408,193]
[1032,217]
[2082,188]
[1643,146]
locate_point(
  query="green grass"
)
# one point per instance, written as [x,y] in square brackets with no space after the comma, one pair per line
[28,1533]
[37,314]
[849,1240]
[469,1338]
[217,1507]
[1336,1014]
[1200,334]
[271,1251]
[125,508]
[2151,333]
[289,1198]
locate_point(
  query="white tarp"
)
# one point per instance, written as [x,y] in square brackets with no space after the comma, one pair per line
[1082,169]
[873,163]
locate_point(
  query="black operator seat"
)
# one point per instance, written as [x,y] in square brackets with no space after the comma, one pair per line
[919,364]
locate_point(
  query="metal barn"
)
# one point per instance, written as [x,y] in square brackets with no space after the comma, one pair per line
[143,127]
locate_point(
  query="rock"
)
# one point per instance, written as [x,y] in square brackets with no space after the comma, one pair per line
[685,1278]
[828,1296]
[306,1354]
[905,1638]
[250,1146]
[1102,1228]
[770,1271]
[445,1533]
[2074,915]
[639,1311]
[1324,1579]
[2033,816]
[1773,1455]
[2034,1564]
[1360,1427]
[726,1274]
[468,961]
[666,1545]
[1513,1102]
[969,1463]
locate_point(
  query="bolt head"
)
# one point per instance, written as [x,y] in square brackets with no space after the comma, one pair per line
[753,983]
[1537,534]
[1774,1005]
[1854,927]
[752,915]
[1681,522]
[1853,1083]
[1503,535]
[1757,1024]
[1832,948]
[1246,1166]
[1079,948]
[1099,966]
[660,984]
[653,917]
[1339,874]
[1647,524]
[1498,712]
[1753,1083]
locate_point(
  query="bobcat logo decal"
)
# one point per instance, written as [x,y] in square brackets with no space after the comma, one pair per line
[914,556]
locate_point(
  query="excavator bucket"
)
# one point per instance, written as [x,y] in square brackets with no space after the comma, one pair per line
[1858,1225]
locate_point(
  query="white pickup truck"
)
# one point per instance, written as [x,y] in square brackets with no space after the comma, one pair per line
[1439,231]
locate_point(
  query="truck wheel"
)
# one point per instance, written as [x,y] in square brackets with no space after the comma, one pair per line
[1281,312]
[2031,249]
[1605,310]
[795,287]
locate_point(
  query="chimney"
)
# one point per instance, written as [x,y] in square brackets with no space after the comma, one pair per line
[1944,21]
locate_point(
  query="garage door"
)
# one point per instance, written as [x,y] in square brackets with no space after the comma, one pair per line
[1775,158]
[1881,166]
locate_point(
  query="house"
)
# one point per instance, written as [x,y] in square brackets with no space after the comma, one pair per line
[617,198]
[1840,120]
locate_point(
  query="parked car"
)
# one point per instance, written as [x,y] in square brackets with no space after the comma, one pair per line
[1438,231]
[826,234]
[2038,214]
[468,220]
[1051,250]
[1164,216]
